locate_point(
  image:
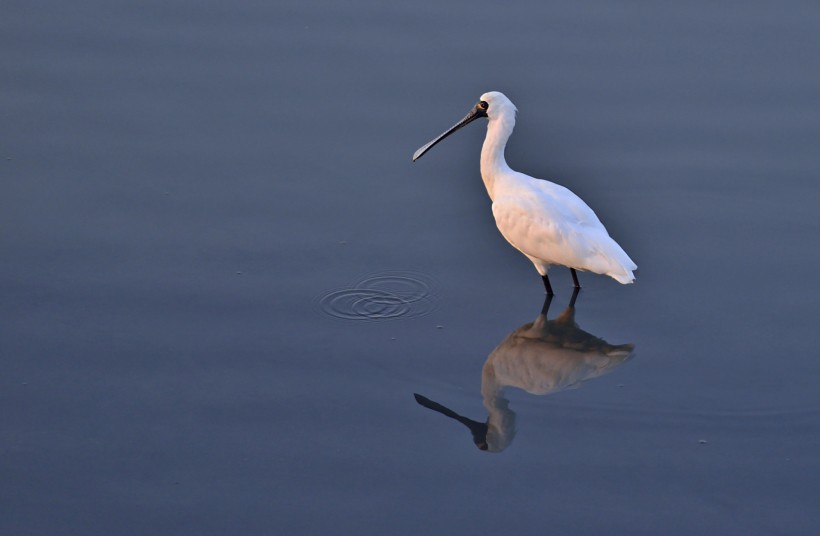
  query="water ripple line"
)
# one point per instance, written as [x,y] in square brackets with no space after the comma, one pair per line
[382,296]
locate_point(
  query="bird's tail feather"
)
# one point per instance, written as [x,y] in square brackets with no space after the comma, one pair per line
[625,278]
[620,265]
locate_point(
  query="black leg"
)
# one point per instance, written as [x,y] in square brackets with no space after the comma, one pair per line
[575,278]
[547,285]
[574,297]
[546,307]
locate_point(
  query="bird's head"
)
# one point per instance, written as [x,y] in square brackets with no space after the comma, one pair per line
[496,105]
[492,105]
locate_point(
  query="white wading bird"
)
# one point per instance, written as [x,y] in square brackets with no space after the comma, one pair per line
[544,221]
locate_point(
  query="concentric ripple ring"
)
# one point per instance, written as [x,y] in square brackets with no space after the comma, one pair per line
[381,296]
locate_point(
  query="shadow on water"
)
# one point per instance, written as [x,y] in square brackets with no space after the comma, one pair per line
[541,357]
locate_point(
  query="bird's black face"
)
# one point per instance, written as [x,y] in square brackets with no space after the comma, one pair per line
[479,110]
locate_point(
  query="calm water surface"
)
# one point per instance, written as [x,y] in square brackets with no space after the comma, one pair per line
[223,280]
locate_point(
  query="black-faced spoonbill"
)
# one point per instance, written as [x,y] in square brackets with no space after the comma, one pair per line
[543,220]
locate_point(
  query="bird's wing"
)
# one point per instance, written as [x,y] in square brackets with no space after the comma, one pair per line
[564,202]
[557,227]
[539,229]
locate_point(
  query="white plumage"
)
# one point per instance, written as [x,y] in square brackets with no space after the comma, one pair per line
[545,221]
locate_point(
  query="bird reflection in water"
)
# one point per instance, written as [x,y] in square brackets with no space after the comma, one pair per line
[540,357]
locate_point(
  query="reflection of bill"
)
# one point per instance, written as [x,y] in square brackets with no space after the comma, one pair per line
[540,357]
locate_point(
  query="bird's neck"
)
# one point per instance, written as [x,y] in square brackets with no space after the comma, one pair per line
[492,153]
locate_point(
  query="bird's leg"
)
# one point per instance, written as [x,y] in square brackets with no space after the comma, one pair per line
[547,285]
[575,278]
[546,307]
[574,297]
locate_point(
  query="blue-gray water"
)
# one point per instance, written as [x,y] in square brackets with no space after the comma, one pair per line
[182,184]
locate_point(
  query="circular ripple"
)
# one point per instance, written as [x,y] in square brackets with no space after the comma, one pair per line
[381,296]
[409,285]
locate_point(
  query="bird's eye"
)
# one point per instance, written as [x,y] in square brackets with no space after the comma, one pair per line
[483,105]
